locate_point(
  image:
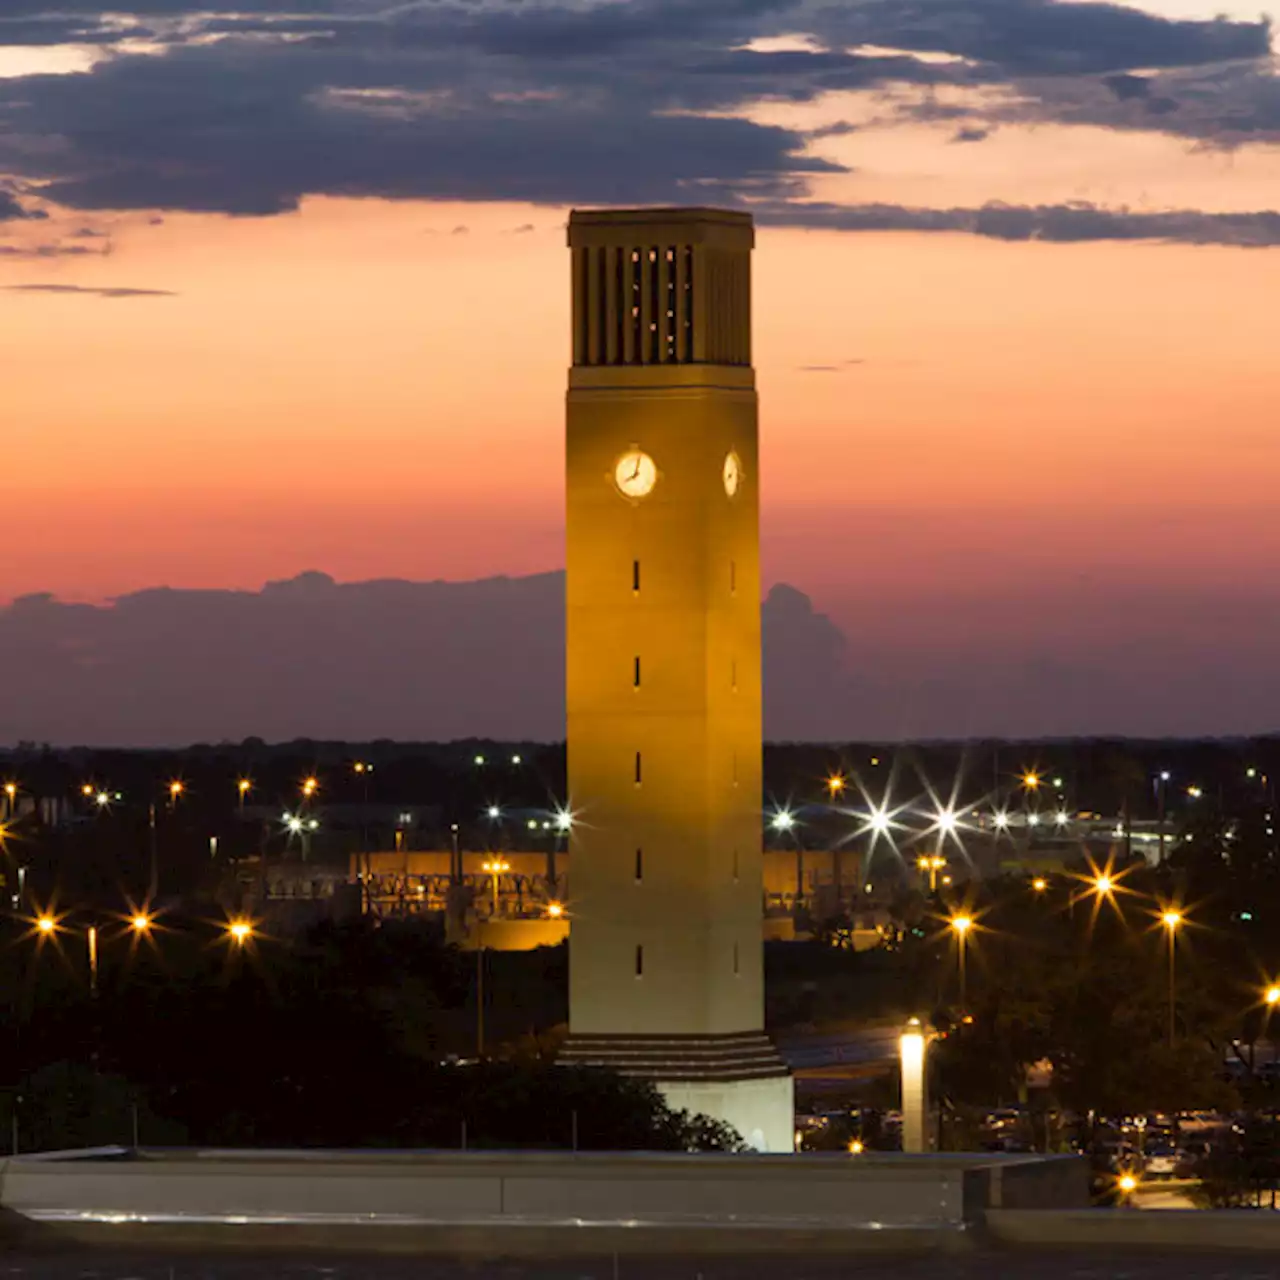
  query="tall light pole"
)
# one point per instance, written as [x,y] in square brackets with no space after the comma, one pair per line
[932,863]
[495,867]
[1171,919]
[960,926]
[1162,782]
[784,821]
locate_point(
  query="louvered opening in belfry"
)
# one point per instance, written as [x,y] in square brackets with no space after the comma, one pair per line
[655,304]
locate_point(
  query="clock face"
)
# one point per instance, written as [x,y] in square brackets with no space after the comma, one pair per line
[732,473]
[635,474]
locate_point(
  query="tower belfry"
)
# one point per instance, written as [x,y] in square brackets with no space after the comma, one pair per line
[663,666]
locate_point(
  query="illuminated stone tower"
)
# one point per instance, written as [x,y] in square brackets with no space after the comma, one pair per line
[663,666]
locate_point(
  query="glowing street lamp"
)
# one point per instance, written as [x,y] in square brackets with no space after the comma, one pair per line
[932,863]
[494,812]
[1000,820]
[102,799]
[496,867]
[243,787]
[240,932]
[555,910]
[1272,996]
[563,821]
[1031,781]
[46,925]
[140,923]
[1039,884]
[835,785]
[1172,919]
[783,820]
[960,926]
[309,787]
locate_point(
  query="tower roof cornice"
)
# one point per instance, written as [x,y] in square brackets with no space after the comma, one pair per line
[727,228]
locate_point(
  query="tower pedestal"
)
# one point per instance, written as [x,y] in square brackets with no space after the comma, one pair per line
[762,1111]
[737,1078]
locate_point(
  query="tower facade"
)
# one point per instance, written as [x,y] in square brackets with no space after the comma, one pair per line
[663,666]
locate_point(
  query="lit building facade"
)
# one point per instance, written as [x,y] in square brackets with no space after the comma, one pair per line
[663,666]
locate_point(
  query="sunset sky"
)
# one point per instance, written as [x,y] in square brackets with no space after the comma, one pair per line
[285,287]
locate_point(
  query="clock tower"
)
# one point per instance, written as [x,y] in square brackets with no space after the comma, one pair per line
[663,667]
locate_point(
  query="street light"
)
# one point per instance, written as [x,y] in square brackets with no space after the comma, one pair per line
[494,812]
[240,931]
[932,863]
[783,820]
[1171,919]
[176,788]
[835,785]
[960,926]
[555,910]
[1031,781]
[1272,996]
[309,787]
[140,923]
[1039,884]
[47,925]
[496,867]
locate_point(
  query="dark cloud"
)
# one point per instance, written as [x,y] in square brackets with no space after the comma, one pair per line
[116,291]
[11,210]
[1062,224]
[1045,37]
[1127,87]
[49,251]
[591,101]
[971,133]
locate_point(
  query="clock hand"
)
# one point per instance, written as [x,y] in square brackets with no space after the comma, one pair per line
[635,475]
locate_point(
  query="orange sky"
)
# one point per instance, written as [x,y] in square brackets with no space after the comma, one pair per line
[359,389]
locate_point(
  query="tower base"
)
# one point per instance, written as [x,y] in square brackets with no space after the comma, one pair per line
[762,1111]
[736,1077]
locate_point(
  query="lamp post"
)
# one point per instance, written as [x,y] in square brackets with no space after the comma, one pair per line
[911,1060]
[932,863]
[496,867]
[960,926]
[1162,781]
[1171,919]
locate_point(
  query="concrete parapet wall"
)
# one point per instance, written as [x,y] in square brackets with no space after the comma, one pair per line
[518,1202]
[1164,1230]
